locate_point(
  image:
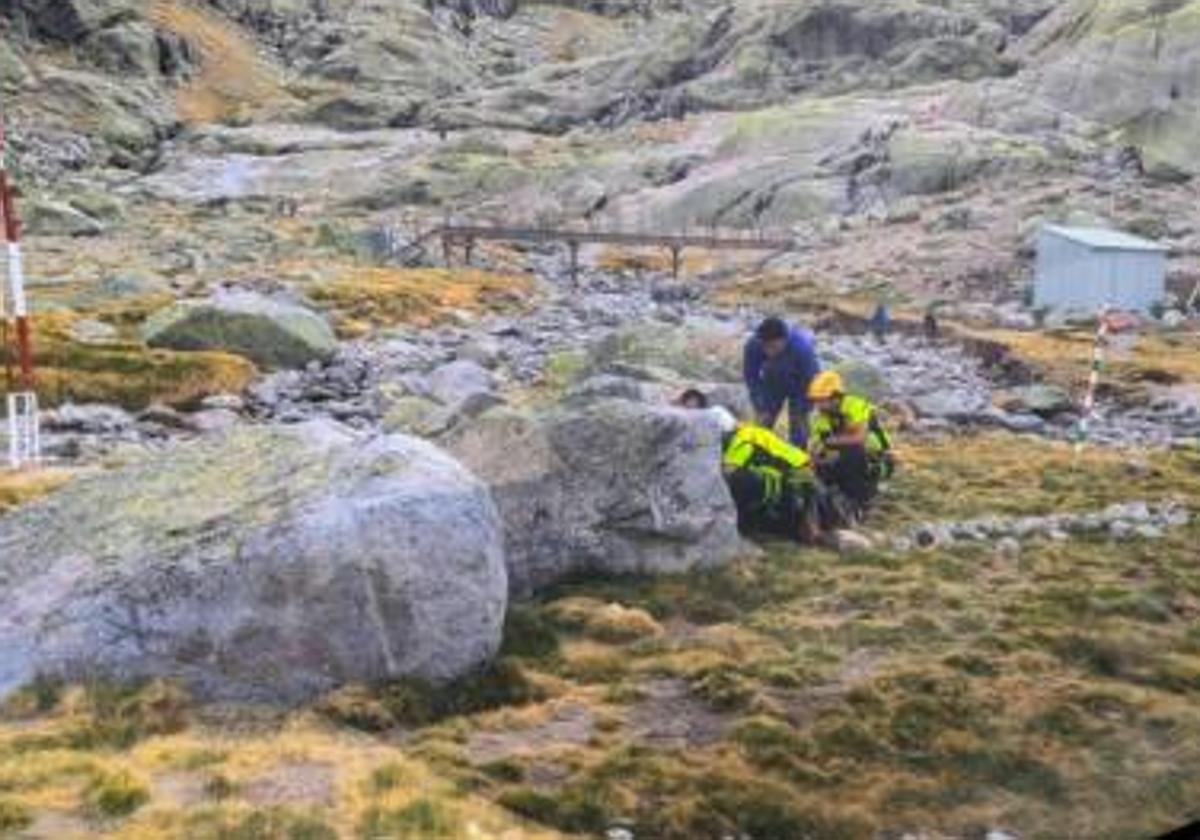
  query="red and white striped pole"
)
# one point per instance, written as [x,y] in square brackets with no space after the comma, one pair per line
[24,444]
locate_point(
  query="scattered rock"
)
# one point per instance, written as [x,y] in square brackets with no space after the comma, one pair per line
[87,419]
[53,218]
[273,563]
[1042,400]
[851,542]
[213,421]
[270,333]
[1120,521]
[92,332]
[228,402]
[1008,547]
[483,350]
[452,383]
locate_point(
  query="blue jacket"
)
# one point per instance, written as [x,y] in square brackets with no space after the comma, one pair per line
[785,378]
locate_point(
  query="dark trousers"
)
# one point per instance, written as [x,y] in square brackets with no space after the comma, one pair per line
[853,474]
[788,515]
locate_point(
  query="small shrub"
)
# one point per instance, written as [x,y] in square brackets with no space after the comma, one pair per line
[973,664]
[267,824]
[220,786]
[421,818]
[37,698]
[581,807]
[1009,770]
[605,622]
[120,715]
[724,688]
[849,740]
[14,816]
[114,795]
[591,663]
[387,777]
[529,634]
[504,770]
[1061,721]
[414,702]
[1100,656]
[355,706]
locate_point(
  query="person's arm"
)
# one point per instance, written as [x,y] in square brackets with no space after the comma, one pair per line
[807,366]
[753,359]
[856,423]
[854,434]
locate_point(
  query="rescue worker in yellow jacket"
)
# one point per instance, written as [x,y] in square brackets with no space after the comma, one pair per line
[848,443]
[772,481]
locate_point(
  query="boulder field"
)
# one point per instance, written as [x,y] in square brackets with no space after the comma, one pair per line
[275,562]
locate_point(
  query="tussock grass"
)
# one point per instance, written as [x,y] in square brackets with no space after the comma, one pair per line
[292,776]
[19,487]
[366,297]
[1064,357]
[127,373]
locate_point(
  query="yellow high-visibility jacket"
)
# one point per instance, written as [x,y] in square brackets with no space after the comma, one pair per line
[777,461]
[852,410]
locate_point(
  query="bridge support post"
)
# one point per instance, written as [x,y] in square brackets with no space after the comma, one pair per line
[573,248]
[676,254]
[446,250]
[468,247]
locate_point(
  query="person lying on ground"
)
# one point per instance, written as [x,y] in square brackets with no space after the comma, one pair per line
[848,443]
[778,363]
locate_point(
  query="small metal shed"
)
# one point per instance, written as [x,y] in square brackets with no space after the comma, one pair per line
[1088,268]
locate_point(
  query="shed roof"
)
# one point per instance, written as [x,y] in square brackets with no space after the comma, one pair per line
[1104,239]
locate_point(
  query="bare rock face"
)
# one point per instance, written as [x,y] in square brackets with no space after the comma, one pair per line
[272,563]
[615,487]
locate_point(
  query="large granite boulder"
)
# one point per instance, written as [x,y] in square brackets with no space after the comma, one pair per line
[270,333]
[699,349]
[614,487]
[271,563]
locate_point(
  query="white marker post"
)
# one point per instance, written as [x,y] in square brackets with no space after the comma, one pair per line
[24,434]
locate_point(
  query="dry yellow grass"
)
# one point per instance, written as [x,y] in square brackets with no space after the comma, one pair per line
[234,81]
[365,297]
[127,372]
[19,487]
[1065,357]
[291,777]
[622,259]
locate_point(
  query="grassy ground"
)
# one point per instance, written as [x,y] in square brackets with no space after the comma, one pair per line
[363,298]
[797,695]
[19,487]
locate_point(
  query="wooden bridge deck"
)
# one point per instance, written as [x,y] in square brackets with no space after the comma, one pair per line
[459,233]
[468,235]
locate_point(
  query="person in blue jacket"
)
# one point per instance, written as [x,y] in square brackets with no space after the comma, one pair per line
[779,362]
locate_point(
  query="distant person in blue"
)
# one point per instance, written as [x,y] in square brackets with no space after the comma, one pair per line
[779,361]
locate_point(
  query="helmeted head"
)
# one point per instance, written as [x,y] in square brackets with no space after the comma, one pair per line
[825,388]
[693,398]
[773,333]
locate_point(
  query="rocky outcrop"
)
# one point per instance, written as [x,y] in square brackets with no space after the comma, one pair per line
[270,564]
[270,333]
[66,20]
[614,487]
